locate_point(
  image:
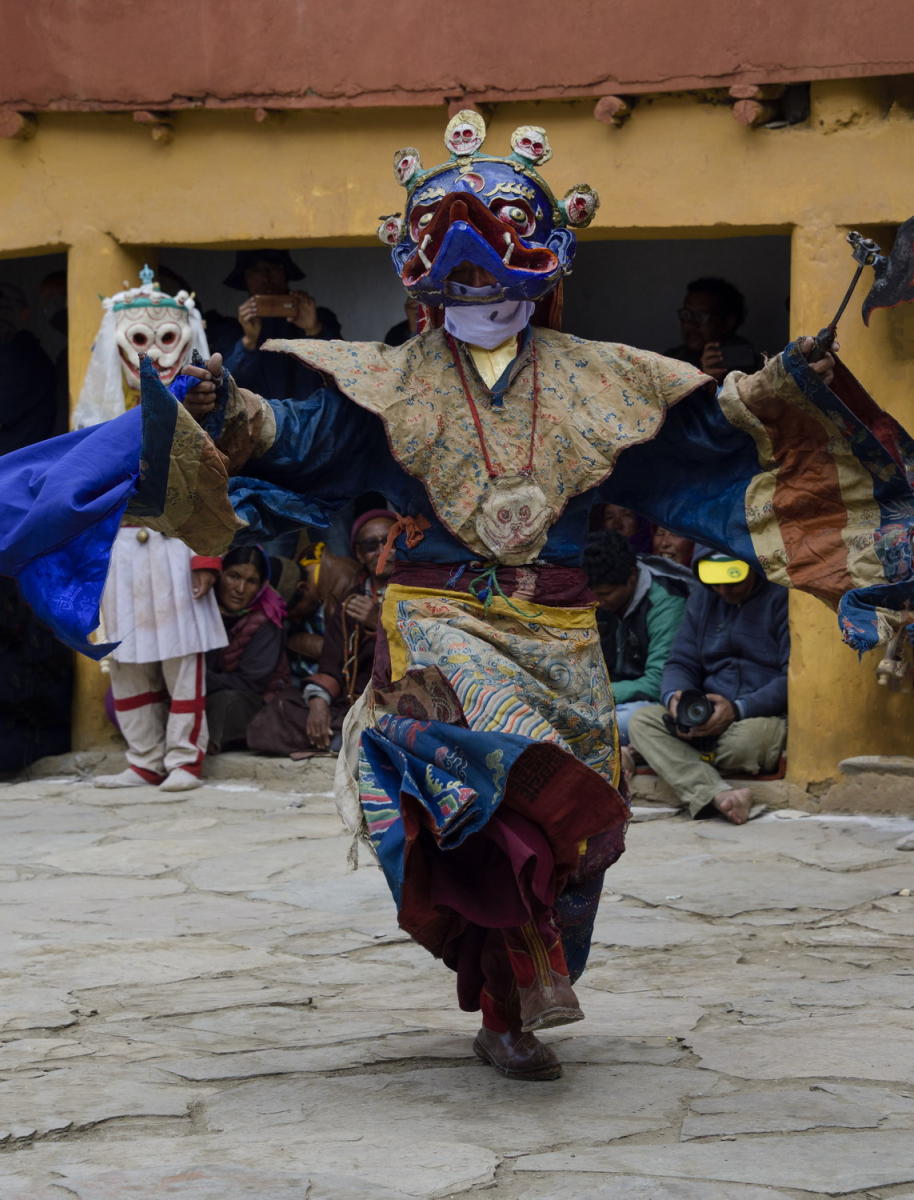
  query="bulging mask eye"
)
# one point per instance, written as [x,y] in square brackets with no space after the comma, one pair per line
[419,221]
[515,215]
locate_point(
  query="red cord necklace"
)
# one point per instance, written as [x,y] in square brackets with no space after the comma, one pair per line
[496,472]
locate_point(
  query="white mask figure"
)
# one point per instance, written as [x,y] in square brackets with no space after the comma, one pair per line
[138,321]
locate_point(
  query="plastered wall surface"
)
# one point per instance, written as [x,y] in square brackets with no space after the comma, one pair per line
[99,186]
[307,53]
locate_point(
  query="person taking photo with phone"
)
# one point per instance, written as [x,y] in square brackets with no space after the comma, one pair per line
[712,311]
[273,310]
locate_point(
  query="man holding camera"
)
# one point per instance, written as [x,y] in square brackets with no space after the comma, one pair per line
[272,310]
[724,690]
[711,313]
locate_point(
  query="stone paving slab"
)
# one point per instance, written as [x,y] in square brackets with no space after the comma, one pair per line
[829,1163]
[709,885]
[641,1187]
[200,1000]
[430,1102]
[875,1045]
[780,1110]
[67,1095]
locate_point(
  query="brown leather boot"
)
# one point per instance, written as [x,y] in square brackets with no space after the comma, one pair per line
[543,987]
[547,1003]
[517,1055]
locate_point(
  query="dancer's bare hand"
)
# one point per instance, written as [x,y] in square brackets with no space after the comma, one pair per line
[825,367]
[202,581]
[201,399]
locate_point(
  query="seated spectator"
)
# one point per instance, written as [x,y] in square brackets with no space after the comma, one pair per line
[732,648]
[285,576]
[334,575]
[268,273]
[711,313]
[304,627]
[253,665]
[622,520]
[325,580]
[405,329]
[28,385]
[637,616]
[349,642]
[667,544]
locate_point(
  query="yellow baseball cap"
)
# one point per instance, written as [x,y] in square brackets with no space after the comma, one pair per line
[722,568]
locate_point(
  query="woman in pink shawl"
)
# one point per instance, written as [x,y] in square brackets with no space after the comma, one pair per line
[245,673]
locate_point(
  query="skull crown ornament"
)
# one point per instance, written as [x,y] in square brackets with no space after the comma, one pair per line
[495,211]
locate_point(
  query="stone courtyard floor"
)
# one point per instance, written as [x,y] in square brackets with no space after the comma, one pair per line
[200,1001]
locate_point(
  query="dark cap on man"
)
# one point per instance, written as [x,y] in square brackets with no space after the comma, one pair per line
[245,259]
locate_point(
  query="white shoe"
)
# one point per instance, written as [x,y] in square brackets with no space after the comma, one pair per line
[126,779]
[180,780]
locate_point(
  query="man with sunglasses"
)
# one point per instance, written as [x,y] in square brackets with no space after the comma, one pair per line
[349,642]
[711,313]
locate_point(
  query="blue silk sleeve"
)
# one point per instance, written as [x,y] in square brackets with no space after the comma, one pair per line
[61,502]
[326,451]
[691,477]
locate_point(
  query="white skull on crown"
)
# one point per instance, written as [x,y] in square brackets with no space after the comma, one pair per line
[407,165]
[391,229]
[579,204]
[465,133]
[530,143]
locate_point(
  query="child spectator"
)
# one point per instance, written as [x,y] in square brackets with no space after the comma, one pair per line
[349,642]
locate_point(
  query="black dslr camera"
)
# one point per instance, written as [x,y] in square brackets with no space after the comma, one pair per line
[694,709]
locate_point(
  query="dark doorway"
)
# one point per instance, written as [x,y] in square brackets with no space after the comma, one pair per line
[35,669]
[630,291]
[33,341]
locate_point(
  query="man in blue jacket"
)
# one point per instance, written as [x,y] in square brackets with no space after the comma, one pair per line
[732,646]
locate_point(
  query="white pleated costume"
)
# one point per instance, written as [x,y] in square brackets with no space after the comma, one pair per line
[158,672]
[148,606]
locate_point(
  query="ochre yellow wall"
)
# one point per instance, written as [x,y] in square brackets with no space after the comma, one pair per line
[102,187]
